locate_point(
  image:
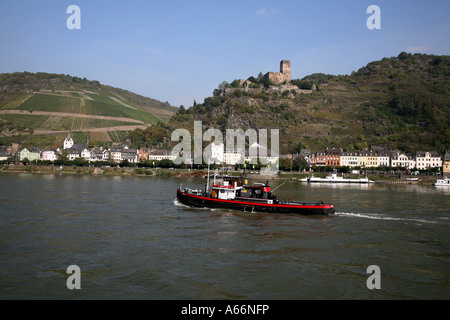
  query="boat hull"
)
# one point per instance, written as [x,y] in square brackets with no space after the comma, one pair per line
[251,206]
[324,180]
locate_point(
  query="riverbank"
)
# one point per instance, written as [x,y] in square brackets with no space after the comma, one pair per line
[186,173]
[105,171]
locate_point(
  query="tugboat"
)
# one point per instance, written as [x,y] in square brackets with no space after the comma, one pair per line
[232,193]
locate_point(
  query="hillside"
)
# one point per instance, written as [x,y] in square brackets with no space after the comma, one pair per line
[399,103]
[42,108]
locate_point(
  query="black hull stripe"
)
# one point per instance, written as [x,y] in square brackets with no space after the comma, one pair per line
[200,201]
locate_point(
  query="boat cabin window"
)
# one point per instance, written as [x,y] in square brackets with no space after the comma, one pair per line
[232,181]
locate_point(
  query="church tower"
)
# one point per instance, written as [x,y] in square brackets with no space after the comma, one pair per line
[68,142]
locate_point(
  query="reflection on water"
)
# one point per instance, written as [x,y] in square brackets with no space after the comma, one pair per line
[133,240]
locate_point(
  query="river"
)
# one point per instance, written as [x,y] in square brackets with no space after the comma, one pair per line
[131,240]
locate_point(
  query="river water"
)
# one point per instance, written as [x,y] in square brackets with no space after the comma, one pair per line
[131,240]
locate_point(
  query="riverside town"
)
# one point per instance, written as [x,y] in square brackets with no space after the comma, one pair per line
[122,155]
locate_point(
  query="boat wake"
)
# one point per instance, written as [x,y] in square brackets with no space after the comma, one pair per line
[381,217]
[179,204]
[182,205]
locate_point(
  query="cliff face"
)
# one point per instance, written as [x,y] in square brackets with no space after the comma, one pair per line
[398,103]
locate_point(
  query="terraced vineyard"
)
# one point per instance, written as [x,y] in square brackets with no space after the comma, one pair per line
[117,136]
[49,105]
[97,104]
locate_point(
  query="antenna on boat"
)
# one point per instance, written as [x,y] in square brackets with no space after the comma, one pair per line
[207,179]
[279,186]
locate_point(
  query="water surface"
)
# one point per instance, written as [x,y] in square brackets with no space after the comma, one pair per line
[131,240]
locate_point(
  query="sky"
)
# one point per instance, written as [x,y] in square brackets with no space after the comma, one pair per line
[181,50]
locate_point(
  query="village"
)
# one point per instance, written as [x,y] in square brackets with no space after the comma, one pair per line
[124,155]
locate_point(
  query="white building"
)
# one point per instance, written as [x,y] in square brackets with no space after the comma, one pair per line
[426,160]
[96,155]
[159,155]
[85,154]
[217,153]
[383,158]
[72,154]
[68,142]
[402,160]
[259,152]
[349,159]
[49,155]
[106,155]
[116,154]
[232,158]
[130,155]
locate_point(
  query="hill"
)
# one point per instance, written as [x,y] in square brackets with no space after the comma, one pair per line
[397,103]
[43,107]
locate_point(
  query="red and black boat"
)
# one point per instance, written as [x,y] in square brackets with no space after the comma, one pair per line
[231,193]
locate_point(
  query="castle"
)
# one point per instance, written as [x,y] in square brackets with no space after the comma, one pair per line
[284,76]
[280,81]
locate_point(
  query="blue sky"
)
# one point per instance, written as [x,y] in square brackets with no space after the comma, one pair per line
[180,50]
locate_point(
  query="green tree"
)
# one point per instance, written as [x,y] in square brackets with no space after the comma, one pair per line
[62,156]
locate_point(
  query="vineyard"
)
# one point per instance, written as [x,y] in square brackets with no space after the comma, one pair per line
[49,112]
[60,123]
[53,103]
[39,109]
[117,136]
[96,104]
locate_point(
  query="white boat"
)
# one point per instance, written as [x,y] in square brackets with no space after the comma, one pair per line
[442,182]
[335,178]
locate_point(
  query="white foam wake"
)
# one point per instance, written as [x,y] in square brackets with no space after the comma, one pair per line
[182,205]
[380,217]
[179,204]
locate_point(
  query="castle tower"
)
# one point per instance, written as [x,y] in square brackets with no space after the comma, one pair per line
[278,78]
[285,69]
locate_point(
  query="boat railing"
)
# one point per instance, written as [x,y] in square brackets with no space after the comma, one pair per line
[194,192]
[285,200]
[260,200]
[265,200]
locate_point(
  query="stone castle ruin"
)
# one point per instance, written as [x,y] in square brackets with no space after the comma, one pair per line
[284,76]
[280,81]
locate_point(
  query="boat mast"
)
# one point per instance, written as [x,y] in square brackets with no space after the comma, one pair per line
[207,179]
[279,186]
